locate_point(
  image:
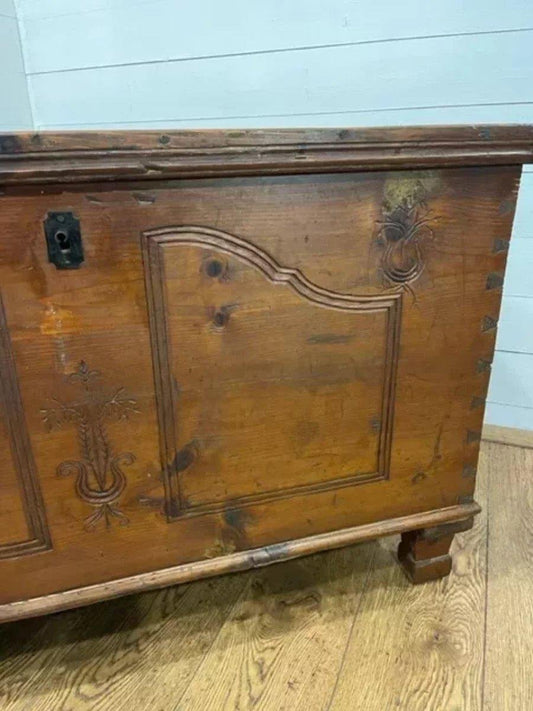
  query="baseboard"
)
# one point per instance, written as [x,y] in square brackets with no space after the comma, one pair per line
[508,435]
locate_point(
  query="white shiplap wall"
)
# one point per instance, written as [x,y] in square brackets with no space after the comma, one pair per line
[166,63]
[15,110]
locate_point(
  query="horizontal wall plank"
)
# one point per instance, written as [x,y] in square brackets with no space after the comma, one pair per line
[509,416]
[10,50]
[496,113]
[515,329]
[56,8]
[126,32]
[523,221]
[15,113]
[511,381]
[435,72]
[7,8]
[518,277]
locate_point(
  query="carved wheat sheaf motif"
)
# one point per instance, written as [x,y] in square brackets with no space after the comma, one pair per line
[402,230]
[100,480]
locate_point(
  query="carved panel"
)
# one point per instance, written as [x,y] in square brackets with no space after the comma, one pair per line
[20,453]
[100,480]
[268,385]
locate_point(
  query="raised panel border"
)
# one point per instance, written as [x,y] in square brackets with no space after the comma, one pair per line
[30,492]
[391,303]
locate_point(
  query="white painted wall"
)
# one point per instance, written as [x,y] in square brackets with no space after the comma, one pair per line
[15,113]
[245,63]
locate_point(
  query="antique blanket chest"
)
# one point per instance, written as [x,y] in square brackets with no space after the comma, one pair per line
[222,349]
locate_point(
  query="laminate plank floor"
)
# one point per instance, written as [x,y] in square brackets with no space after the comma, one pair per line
[337,631]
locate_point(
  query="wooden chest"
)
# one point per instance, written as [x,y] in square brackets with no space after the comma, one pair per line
[222,349]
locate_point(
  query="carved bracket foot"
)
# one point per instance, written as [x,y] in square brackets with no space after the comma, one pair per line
[425,554]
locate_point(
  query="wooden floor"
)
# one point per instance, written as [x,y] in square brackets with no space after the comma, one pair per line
[339,631]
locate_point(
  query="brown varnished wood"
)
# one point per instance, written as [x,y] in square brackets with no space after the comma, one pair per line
[23,527]
[425,554]
[275,359]
[120,155]
[342,630]
[225,561]
[98,473]
[218,257]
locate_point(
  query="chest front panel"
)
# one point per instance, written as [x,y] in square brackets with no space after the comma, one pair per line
[240,362]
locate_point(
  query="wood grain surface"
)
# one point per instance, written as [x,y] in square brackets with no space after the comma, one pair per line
[426,649]
[508,435]
[246,364]
[338,631]
[509,637]
[85,343]
[70,157]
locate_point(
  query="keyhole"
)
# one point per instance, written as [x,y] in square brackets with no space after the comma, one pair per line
[63,240]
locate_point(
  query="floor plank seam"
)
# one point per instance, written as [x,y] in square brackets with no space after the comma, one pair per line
[210,647]
[355,615]
[486,613]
